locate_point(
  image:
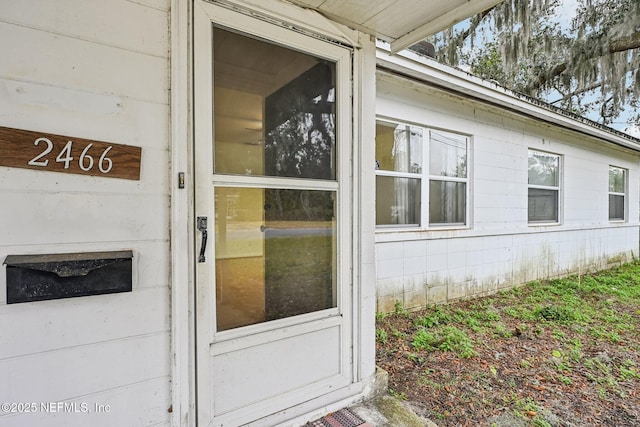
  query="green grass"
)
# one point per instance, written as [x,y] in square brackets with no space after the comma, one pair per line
[583,330]
[448,338]
[596,303]
[439,316]
[381,336]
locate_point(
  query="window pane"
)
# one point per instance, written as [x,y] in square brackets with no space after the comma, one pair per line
[617,177]
[300,252]
[447,202]
[447,155]
[274,110]
[398,148]
[616,207]
[275,254]
[397,201]
[543,205]
[543,169]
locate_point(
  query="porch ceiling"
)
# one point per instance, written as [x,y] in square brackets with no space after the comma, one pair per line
[399,22]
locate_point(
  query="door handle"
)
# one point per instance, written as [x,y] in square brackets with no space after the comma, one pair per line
[202,226]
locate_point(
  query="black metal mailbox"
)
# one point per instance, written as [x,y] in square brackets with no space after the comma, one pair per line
[55,276]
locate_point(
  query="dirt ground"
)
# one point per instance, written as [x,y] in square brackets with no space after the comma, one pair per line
[560,353]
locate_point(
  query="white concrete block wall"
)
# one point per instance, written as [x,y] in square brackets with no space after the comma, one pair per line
[96,70]
[499,248]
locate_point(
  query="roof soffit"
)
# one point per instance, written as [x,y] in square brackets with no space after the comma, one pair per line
[402,23]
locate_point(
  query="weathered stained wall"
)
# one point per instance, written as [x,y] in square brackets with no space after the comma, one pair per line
[499,248]
[96,70]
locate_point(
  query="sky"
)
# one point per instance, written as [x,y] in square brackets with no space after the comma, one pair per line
[566,12]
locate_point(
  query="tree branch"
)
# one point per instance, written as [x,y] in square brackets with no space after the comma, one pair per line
[474,24]
[577,92]
[620,45]
[625,43]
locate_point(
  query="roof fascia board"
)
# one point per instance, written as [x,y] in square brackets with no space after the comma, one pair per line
[433,73]
[288,15]
[460,13]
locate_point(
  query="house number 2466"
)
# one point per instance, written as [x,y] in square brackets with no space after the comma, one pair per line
[86,161]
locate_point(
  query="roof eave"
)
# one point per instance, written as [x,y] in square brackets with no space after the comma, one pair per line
[431,72]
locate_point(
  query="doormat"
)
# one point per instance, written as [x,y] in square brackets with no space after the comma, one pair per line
[342,418]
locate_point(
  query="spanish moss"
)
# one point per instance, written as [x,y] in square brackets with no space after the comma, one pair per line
[589,65]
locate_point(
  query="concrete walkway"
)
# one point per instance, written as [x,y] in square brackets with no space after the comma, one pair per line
[382,410]
[387,411]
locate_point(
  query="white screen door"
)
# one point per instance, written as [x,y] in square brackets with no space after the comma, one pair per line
[272,121]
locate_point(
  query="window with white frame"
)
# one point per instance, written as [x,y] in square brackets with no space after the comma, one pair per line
[399,159]
[544,187]
[415,164]
[447,178]
[617,193]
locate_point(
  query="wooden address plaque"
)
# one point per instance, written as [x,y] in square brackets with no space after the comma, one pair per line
[58,153]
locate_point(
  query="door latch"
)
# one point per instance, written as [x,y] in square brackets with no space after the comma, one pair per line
[202,227]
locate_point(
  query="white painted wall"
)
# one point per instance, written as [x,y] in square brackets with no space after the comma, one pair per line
[500,249]
[96,70]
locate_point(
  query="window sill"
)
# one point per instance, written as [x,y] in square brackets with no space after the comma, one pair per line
[447,227]
[408,234]
[391,229]
[405,235]
[544,224]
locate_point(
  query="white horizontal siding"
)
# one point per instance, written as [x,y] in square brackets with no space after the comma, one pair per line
[122,409]
[130,25]
[102,316]
[95,70]
[162,5]
[83,370]
[79,64]
[79,113]
[56,217]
